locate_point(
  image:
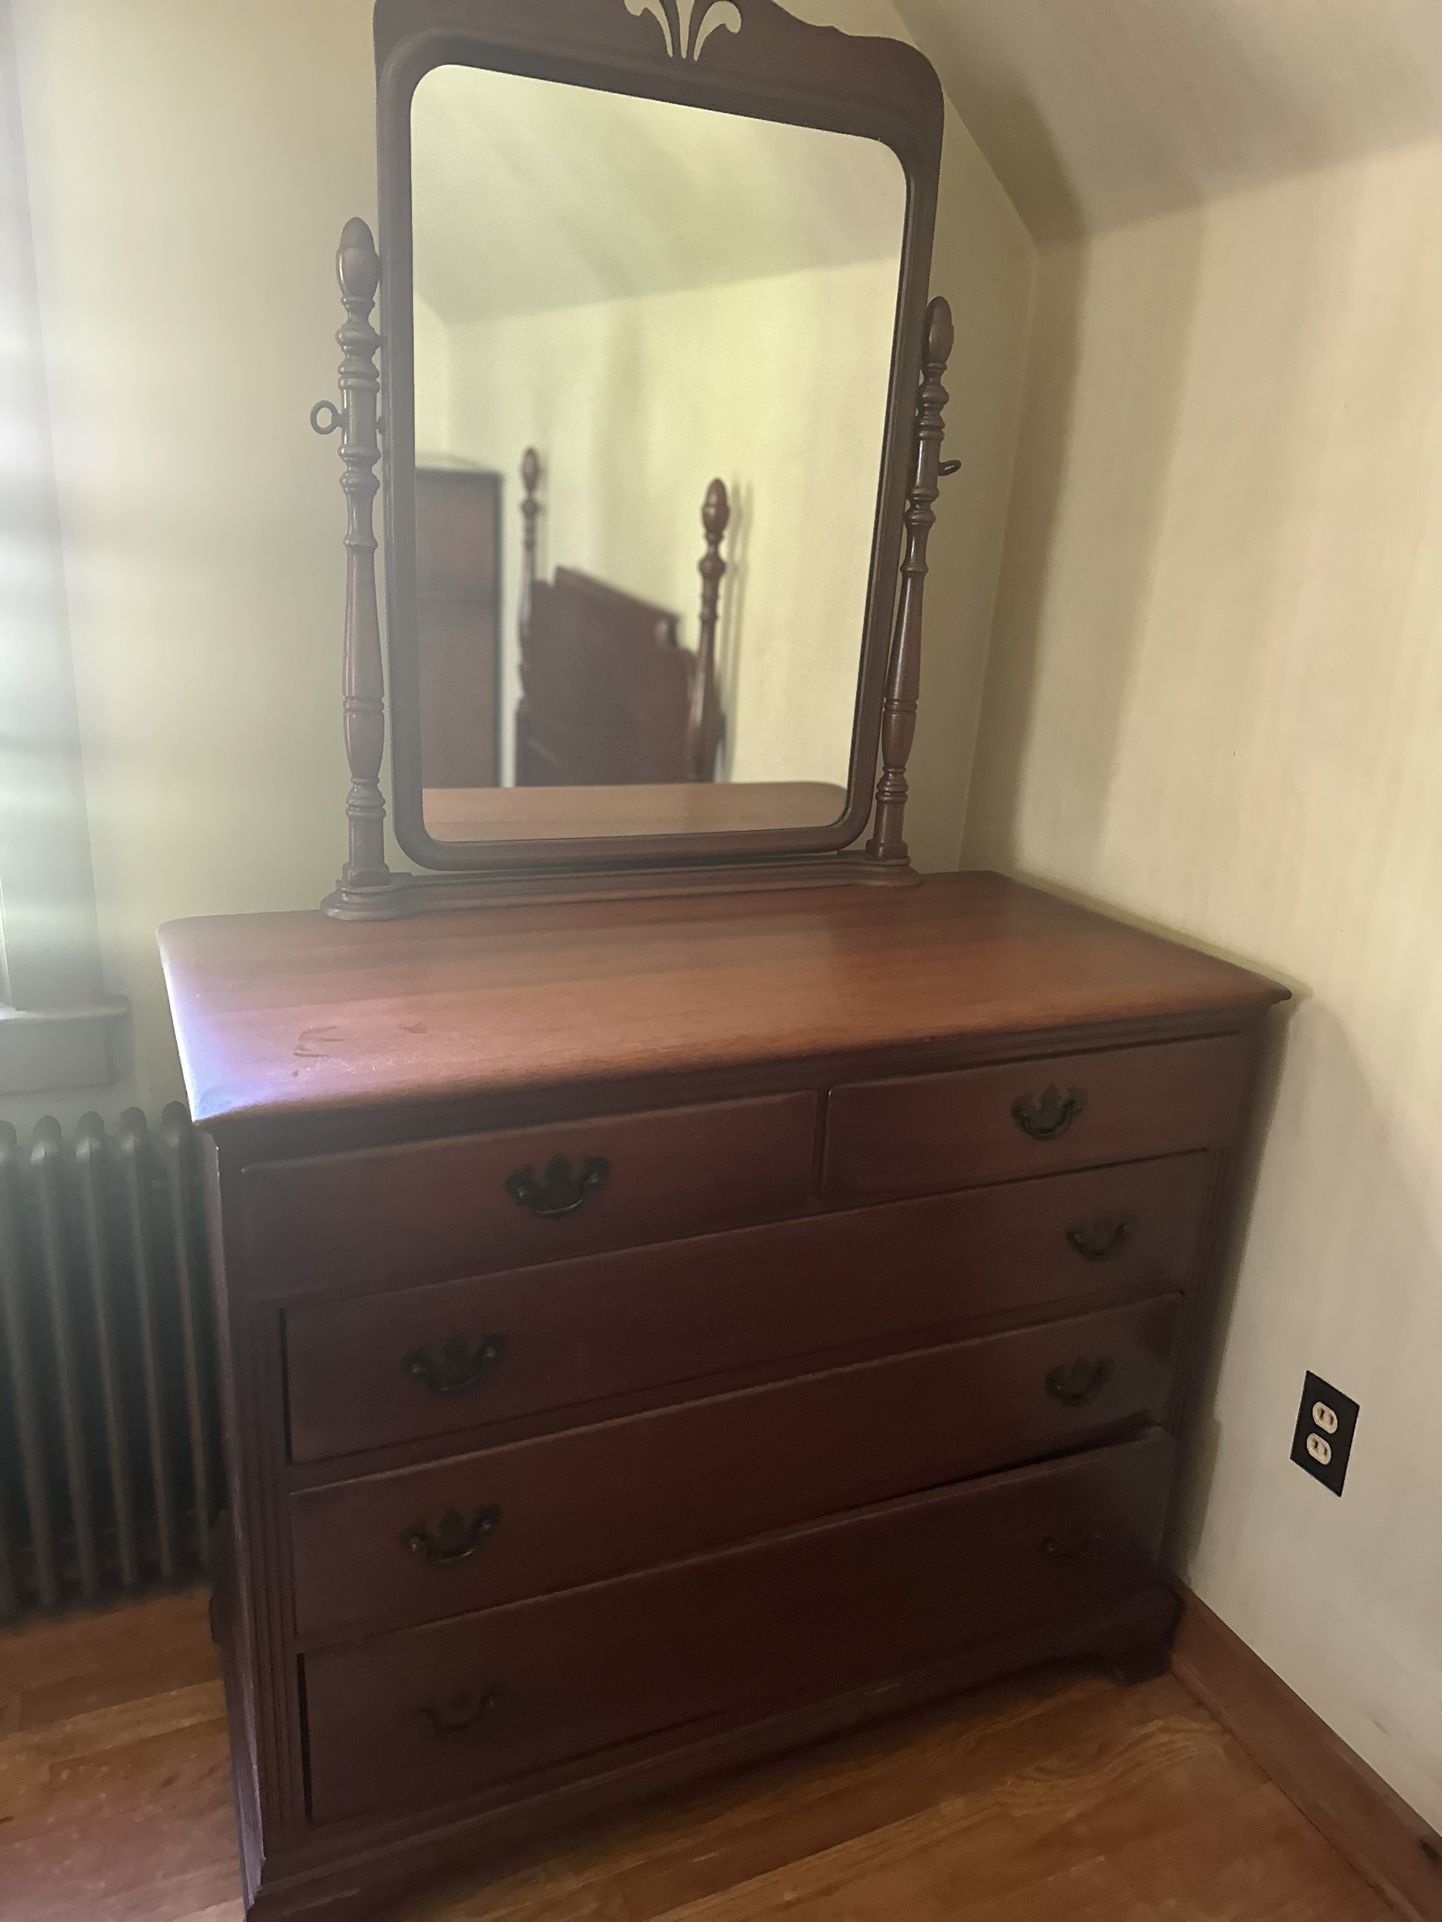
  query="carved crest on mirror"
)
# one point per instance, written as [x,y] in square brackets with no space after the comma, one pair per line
[630,249]
[688,24]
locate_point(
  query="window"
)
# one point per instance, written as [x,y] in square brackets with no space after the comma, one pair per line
[54,1016]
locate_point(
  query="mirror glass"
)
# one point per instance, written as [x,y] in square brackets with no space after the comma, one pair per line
[652,355]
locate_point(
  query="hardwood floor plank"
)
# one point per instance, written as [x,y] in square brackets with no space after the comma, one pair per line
[684,1846]
[1125,1824]
[56,1670]
[1050,1799]
[1067,1804]
[139,1829]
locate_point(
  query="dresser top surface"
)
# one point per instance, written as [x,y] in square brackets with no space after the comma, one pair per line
[284,1016]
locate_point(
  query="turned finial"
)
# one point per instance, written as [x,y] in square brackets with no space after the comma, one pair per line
[716,513]
[357,264]
[940,337]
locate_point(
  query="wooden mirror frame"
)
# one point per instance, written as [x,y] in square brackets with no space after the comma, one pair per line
[746,57]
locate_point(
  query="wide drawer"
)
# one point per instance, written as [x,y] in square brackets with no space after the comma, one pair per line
[471,1202]
[464,1534]
[434,1714]
[452,1358]
[1034,1117]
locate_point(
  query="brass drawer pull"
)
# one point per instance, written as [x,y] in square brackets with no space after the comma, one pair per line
[1082,1381]
[1047,1117]
[1067,1548]
[461,1712]
[563,1190]
[458,1365]
[1101,1239]
[453,1539]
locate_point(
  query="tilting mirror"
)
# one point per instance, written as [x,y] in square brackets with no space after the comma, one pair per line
[652,353]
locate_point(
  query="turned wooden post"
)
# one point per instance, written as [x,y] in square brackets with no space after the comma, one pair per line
[701,731]
[903,675]
[530,513]
[358,269]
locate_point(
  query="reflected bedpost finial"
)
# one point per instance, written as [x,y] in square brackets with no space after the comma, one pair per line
[702,730]
[903,677]
[358,270]
[716,512]
[530,513]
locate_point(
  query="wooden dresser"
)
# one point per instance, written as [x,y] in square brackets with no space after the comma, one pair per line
[656,1333]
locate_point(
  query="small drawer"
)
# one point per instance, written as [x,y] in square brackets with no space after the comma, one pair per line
[431,1363]
[461,1535]
[476,1202]
[930,1132]
[440,1713]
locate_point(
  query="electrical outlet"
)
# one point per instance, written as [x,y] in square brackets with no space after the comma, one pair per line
[1326,1422]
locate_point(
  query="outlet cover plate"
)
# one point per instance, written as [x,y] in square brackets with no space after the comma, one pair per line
[1332,1472]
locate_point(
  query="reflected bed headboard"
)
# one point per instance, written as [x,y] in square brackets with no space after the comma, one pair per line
[609,696]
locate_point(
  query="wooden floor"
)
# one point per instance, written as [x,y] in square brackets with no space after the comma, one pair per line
[1068,1800]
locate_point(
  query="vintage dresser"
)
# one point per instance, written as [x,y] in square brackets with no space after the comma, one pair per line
[660,1332]
[686,1285]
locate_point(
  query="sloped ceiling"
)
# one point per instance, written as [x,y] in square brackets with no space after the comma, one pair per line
[529,196]
[1093,113]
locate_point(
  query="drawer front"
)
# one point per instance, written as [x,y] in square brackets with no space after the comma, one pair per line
[938,1131]
[461,1535]
[532,1195]
[435,1714]
[450,1359]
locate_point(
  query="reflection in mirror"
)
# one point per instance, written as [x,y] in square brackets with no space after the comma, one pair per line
[652,354]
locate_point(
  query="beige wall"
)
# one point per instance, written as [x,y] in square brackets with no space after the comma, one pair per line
[1215,703]
[433,381]
[776,385]
[185,238]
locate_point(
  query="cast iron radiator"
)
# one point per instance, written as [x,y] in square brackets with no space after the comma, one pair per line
[109,1450]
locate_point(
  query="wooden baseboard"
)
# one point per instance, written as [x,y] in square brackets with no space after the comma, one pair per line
[1366,1821]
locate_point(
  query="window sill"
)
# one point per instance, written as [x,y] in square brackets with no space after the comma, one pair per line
[55,1050]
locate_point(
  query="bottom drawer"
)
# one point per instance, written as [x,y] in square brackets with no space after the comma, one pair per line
[438,1713]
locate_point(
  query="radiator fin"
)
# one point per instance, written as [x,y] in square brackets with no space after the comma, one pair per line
[109,1452]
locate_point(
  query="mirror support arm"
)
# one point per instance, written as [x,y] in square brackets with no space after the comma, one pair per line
[358,269]
[903,675]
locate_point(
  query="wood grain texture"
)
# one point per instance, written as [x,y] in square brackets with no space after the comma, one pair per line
[1353,1807]
[436,1714]
[1033,1800]
[526,813]
[444,1207]
[941,1131]
[580,1335]
[290,1015]
[597,1502]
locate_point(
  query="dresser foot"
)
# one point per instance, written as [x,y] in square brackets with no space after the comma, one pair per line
[1142,1664]
[337,1905]
[1141,1651]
